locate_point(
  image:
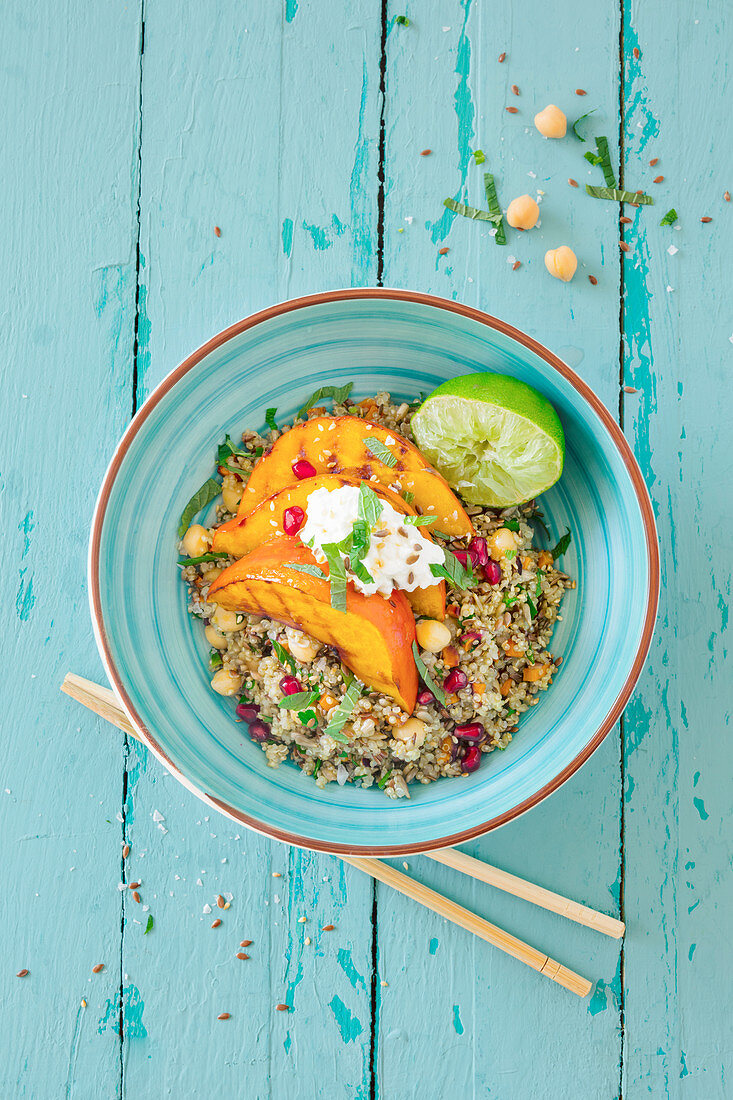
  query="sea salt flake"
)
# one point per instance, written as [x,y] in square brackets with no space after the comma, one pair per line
[673,250]
[731,339]
[162,828]
[157,816]
[276,898]
[145,908]
[511,259]
[670,289]
[119,816]
[199,882]
[410,219]
[207,908]
[532,175]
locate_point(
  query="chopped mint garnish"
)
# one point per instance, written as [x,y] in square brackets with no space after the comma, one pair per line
[338,393]
[427,678]
[203,496]
[378,449]
[562,545]
[341,713]
[283,656]
[270,419]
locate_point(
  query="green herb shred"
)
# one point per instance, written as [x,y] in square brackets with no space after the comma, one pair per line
[317,768]
[452,570]
[201,558]
[408,497]
[226,449]
[579,120]
[669,218]
[427,678]
[638,198]
[337,575]
[478,156]
[605,161]
[529,654]
[312,570]
[299,700]
[200,499]
[270,419]
[468,211]
[402,20]
[418,521]
[283,656]
[384,780]
[341,713]
[492,200]
[378,449]
[338,393]
[562,545]
[215,659]
[531,605]
[370,506]
[511,524]
[149,925]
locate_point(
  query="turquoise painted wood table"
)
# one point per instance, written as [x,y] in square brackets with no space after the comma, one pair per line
[129,132]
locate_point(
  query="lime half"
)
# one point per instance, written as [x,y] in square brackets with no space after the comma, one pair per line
[494,439]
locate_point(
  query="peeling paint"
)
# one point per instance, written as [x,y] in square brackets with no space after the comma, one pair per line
[349,1026]
[433,947]
[457,1020]
[287,237]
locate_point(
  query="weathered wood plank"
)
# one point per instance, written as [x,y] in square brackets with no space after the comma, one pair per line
[237,133]
[68,268]
[679,760]
[447,92]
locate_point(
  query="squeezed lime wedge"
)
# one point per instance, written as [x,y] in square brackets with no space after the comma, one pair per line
[496,440]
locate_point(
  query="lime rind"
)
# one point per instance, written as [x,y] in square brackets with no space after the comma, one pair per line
[487,449]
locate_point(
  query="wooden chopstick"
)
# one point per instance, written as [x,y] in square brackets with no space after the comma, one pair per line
[472,923]
[556,903]
[103,702]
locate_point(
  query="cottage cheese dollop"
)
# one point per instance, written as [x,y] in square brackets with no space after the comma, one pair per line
[399,554]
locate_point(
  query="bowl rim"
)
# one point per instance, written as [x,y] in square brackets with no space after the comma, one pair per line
[553,361]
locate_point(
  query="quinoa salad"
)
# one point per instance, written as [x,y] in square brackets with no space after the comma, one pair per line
[456,651]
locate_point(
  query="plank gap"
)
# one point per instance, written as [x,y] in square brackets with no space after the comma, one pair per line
[135,343]
[622,325]
[382,143]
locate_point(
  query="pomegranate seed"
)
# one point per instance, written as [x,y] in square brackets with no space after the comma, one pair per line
[302,468]
[289,685]
[247,712]
[474,731]
[472,759]
[425,697]
[462,556]
[478,551]
[294,517]
[455,680]
[492,571]
[259,731]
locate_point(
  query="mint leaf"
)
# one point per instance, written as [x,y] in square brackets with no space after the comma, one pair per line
[562,545]
[418,521]
[201,558]
[226,449]
[299,700]
[203,496]
[452,570]
[337,575]
[478,156]
[312,570]
[492,201]
[669,218]
[283,656]
[378,449]
[427,678]
[270,419]
[338,393]
[341,713]
[370,505]
[149,925]
[511,524]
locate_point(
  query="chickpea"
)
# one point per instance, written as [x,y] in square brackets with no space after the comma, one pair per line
[551,122]
[226,621]
[432,635]
[522,213]
[231,492]
[500,542]
[302,647]
[215,638]
[196,541]
[412,733]
[561,262]
[226,681]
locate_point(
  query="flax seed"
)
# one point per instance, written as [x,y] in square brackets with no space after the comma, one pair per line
[501,57]
[580,91]
[426,152]
[134,885]
[245,943]
[443,251]
[726,196]
[624,246]
[706,219]
[512,110]
[224,1016]
[592,280]
[658,179]
[83,1003]
[573,183]
[636,52]
[136,896]
[653,161]
[328,928]
[217,231]
[516,265]
[23,973]
[515,89]
[220,901]
[630,389]
[126,851]
[625,221]
[283,1008]
[215,923]
[96,969]
[241,955]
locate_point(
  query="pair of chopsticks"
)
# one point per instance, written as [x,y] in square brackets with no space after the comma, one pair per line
[103,702]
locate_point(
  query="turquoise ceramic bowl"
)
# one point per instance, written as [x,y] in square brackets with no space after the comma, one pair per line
[155,652]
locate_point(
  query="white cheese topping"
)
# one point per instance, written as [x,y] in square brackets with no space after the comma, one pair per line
[399,555]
